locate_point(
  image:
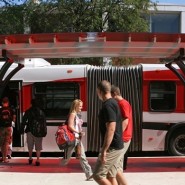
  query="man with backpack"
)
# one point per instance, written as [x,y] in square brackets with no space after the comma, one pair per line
[7,116]
[35,122]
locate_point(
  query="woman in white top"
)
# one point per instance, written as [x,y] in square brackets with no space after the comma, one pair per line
[75,125]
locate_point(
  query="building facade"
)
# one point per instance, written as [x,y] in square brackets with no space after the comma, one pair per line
[166,18]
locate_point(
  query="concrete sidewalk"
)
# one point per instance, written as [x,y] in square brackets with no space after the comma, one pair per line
[164,178]
[141,171]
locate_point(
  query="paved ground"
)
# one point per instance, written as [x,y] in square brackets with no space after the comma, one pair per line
[140,171]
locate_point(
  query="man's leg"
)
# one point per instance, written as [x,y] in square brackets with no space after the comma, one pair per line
[121,178]
[38,148]
[37,163]
[38,155]
[30,151]
[4,152]
[6,143]
[30,144]
[9,152]
[103,181]
[125,161]
[113,180]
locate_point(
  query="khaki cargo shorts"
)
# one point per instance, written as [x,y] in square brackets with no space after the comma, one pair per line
[113,157]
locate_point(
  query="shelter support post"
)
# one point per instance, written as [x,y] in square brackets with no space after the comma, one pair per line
[180,63]
[4,80]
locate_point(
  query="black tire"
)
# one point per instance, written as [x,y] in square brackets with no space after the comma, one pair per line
[176,145]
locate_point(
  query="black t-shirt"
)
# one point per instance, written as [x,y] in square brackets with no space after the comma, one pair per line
[110,112]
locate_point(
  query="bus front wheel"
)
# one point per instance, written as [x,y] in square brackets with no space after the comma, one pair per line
[177,143]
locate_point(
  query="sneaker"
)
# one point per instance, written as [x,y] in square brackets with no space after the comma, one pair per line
[5,161]
[30,161]
[37,163]
[90,178]
[64,162]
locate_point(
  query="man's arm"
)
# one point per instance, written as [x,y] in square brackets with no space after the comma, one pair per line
[110,129]
[24,122]
[125,124]
[14,118]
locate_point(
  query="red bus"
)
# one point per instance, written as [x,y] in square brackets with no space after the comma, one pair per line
[156,94]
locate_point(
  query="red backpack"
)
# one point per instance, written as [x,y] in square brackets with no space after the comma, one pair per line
[64,137]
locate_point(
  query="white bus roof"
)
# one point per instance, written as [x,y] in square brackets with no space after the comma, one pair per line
[31,62]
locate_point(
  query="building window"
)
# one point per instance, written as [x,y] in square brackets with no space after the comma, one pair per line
[162,96]
[165,23]
[56,98]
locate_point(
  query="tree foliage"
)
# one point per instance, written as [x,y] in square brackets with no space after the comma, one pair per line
[74,15]
[46,16]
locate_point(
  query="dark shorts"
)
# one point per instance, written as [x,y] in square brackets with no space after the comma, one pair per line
[33,141]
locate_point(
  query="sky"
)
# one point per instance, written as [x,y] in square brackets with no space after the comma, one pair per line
[177,2]
[170,1]
[181,2]
[160,1]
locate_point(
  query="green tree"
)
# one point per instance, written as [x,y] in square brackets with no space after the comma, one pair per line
[12,16]
[88,16]
[91,61]
[46,16]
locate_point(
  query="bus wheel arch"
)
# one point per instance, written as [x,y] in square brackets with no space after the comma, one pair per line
[175,140]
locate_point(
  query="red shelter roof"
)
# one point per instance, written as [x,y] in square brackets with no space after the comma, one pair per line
[105,44]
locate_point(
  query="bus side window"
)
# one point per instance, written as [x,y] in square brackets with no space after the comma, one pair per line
[162,96]
[56,97]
